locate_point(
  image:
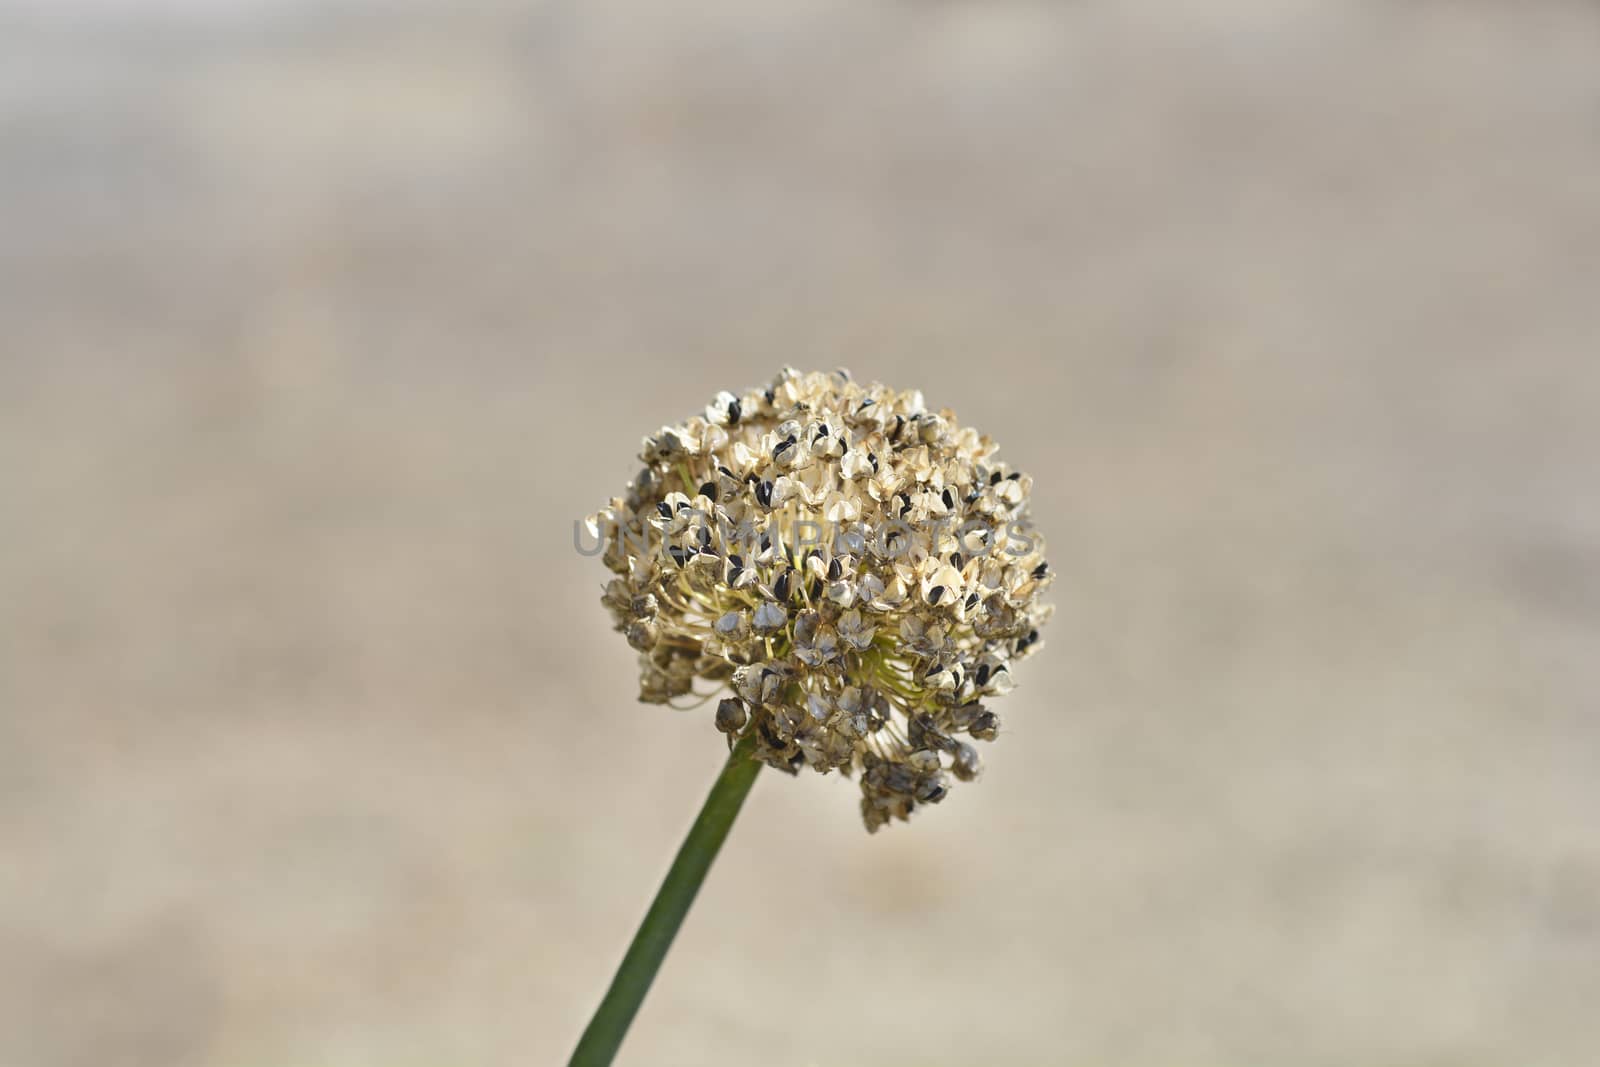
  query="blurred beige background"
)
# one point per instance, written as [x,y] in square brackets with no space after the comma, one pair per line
[320,324]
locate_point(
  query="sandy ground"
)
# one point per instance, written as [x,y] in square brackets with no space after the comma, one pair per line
[318,327]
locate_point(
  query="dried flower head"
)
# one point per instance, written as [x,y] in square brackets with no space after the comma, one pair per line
[860,572]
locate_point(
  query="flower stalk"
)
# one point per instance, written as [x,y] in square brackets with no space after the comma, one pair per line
[605,1031]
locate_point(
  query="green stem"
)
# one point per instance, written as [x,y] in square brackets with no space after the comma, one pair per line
[599,1043]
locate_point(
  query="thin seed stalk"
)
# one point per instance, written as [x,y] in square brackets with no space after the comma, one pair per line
[605,1031]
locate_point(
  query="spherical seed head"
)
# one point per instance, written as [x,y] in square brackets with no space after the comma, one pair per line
[860,572]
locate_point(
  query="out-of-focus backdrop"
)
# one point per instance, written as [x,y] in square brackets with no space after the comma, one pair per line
[320,324]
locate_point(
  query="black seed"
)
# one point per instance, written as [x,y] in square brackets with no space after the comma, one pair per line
[972,496]
[1013,476]
[678,555]
[764,494]
[683,505]
[983,674]
[1041,570]
[948,498]
[736,559]
[734,411]
[816,589]
[872,458]
[822,431]
[707,550]
[867,403]
[767,396]
[766,541]
[665,509]
[780,588]
[936,594]
[734,572]
[725,471]
[709,491]
[972,601]
[835,568]
[955,560]
[906,506]
[994,479]
[704,536]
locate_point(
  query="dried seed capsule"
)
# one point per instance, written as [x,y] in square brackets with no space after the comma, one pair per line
[986,727]
[731,715]
[966,764]
[643,635]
